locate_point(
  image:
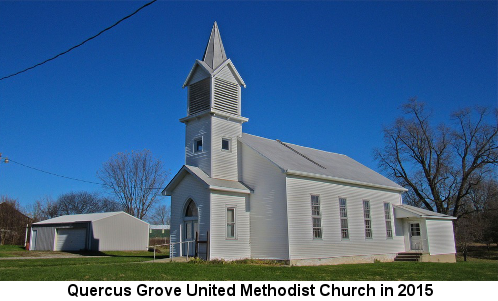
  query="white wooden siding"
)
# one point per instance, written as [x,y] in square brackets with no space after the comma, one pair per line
[193,188]
[221,246]
[224,163]
[301,242]
[440,236]
[196,128]
[269,238]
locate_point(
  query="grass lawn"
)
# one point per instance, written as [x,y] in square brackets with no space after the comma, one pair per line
[132,266]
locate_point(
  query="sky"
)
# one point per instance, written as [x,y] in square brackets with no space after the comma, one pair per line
[327,75]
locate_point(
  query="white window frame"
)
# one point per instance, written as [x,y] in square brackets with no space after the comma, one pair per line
[229,144]
[233,223]
[367,217]
[316,215]
[388,218]
[344,218]
[195,145]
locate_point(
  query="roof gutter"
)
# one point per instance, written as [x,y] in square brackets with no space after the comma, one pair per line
[340,180]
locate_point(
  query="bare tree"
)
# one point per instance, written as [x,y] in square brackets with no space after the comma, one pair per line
[161,215]
[73,203]
[85,202]
[13,221]
[440,165]
[45,208]
[136,179]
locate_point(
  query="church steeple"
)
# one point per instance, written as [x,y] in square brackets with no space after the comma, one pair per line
[214,55]
[214,121]
[214,83]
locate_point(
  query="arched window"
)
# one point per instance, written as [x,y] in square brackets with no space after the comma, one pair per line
[191,209]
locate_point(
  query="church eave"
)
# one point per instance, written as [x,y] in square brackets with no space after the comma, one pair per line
[345,181]
[213,73]
[214,112]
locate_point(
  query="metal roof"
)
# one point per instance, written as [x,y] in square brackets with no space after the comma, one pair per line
[212,183]
[308,162]
[411,211]
[78,218]
[214,55]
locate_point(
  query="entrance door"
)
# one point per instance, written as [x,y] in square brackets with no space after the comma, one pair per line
[191,228]
[415,238]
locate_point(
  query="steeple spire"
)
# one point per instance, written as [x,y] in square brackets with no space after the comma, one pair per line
[214,55]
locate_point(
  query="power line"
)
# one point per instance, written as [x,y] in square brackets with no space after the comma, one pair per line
[80,44]
[69,178]
[54,174]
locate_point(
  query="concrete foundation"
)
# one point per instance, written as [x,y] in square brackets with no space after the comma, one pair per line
[438,258]
[369,259]
[343,260]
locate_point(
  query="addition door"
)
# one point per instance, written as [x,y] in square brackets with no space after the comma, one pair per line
[415,238]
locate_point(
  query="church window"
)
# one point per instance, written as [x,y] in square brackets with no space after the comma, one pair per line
[387,215]
[344,218]
[191,209]
[231,222]
[198,145]
[367,218]
[316,217]
[225,144]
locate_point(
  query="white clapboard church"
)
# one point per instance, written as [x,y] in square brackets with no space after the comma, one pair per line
[243,196]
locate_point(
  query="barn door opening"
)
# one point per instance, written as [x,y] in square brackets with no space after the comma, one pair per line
[191,228]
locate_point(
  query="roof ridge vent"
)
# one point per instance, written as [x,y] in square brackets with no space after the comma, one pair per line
[301,154]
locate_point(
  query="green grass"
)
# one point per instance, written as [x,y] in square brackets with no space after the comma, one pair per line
[118,266]
[129,268]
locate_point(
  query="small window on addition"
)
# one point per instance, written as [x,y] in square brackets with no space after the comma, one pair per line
[225,144]
[198,145]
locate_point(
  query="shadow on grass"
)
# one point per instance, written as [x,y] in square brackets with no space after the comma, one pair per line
[121,254]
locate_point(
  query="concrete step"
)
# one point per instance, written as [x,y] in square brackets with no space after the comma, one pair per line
[408,256]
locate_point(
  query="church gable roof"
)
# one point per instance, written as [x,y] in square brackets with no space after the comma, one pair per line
[308,162]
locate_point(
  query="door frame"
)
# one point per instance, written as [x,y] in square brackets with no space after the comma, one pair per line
[416,244]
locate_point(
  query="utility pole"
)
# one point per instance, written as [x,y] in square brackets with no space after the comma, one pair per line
[6,160]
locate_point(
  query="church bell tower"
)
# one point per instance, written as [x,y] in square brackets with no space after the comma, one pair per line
[213,120]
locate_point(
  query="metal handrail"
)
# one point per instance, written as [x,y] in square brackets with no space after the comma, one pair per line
[170,247]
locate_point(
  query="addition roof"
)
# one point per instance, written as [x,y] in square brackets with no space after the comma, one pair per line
[211,183]
[401,211]
[308,162]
